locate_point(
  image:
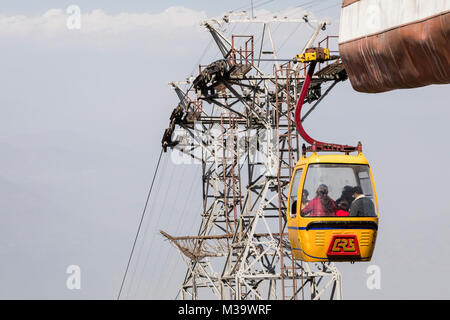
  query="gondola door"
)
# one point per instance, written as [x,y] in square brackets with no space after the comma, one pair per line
[293,209]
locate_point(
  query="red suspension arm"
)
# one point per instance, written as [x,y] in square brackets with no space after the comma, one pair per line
[315,145]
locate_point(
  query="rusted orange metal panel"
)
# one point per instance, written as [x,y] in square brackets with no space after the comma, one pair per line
[348,2]
[408,55]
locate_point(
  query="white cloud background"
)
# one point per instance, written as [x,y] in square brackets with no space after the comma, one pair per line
[175,31]
[54,22]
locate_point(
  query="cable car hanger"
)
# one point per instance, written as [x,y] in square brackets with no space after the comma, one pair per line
[313,56]
[330,227]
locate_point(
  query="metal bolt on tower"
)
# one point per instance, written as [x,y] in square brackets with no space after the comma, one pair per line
[237,119]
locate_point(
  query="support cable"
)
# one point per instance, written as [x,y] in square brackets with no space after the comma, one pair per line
[150,209]
[140,224]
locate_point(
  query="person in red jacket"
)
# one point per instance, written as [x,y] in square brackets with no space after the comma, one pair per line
[321,206]
[343,209]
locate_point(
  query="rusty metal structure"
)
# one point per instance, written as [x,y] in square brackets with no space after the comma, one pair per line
[236,119]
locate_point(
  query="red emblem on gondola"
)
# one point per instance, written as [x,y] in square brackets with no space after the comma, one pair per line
[343,245]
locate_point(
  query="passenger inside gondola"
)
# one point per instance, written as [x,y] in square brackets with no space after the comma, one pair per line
[342,209]
[321,206]
[362,206]
[305,198]
[346,195]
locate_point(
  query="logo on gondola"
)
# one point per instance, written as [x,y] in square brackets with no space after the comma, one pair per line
[343,245]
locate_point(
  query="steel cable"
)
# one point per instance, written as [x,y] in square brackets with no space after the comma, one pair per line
[139,227]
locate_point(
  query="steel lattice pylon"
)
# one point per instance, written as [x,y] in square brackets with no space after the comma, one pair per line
[237,120]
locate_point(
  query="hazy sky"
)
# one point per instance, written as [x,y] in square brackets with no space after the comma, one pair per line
[83,112]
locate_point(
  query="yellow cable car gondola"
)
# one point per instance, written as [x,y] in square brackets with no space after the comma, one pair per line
[332,210]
